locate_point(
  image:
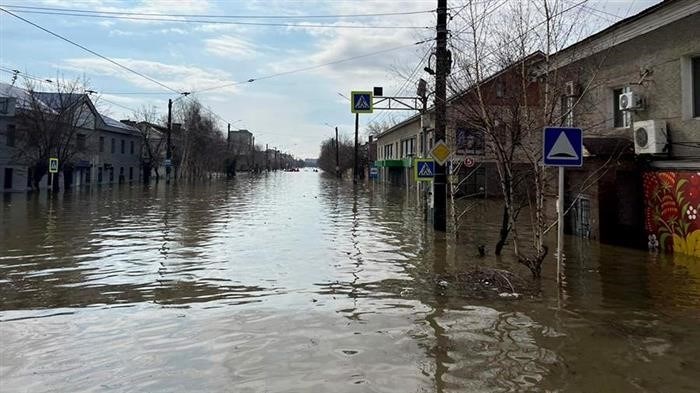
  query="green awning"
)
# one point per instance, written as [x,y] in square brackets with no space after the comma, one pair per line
[405,163]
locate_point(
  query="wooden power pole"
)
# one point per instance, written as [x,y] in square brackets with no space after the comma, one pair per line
[441,70]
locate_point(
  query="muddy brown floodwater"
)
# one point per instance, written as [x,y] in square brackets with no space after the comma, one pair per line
[294,282]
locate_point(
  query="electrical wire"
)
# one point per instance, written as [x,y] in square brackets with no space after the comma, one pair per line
[303,69]
[224,16]
[220,22]
[91,51]
[42,80]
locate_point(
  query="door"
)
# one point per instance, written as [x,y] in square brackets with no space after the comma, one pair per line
[8,179]
[582,217]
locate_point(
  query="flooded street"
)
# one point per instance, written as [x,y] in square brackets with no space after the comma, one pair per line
[296,282]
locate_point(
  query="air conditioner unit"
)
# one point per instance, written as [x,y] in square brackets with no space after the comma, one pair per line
[571,89]
[650,137]
[630,101]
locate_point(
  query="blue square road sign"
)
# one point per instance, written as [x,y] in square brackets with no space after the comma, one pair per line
[361,102]
[563,146]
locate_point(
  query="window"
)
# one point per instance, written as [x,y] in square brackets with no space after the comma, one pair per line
[11,135]
[567,112]
[102,144]
[470,141]
[114,146]
[80,142]
[500,89]
[111,174]
[388,151]
[131,169]
[123,146]
[620,118]
[99,175]
[132,147]
[696,85]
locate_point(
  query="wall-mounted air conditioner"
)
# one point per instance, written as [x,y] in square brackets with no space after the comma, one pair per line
[650,137]
[630,101]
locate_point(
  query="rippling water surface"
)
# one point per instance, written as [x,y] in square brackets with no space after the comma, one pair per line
[297,282]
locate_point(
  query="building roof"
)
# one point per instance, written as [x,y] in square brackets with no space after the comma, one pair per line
[532,57]
[54,101]
[664,13]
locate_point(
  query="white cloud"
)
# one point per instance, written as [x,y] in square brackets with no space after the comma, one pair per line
[229,46]
[179,77]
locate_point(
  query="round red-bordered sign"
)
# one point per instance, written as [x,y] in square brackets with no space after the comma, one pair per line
[469,162]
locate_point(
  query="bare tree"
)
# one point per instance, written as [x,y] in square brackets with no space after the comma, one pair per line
[512,107]
[56,124]
[153,140]
[199,144]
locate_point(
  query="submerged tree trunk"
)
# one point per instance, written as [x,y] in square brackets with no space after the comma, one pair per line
[505,229]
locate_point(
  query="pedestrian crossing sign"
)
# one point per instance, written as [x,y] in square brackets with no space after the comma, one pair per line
[53,165]
[424,169]
[361,102]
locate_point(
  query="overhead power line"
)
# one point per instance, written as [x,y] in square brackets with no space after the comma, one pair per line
[303,69]
[222,16]
[218,22]
[55,83]
[122,66]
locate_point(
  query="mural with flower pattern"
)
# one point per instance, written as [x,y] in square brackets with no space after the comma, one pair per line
[672,203]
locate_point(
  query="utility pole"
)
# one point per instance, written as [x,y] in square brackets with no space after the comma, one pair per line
[169,151]
[228,138]
[441,70]
[267,159]
[337,154]
[355,168]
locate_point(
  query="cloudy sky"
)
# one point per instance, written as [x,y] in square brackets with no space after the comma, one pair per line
[212,47]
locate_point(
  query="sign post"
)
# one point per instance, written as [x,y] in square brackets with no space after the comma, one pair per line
[53,168]
[562,147]
[360,102]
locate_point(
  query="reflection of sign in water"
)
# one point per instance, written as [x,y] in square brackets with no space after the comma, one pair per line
[470,141]
[424,169]
[53,165]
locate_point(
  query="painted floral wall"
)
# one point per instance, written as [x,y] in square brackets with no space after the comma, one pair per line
[672,203]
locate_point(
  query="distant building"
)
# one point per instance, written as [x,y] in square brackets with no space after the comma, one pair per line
[102,150]
[240,140]
[311,162]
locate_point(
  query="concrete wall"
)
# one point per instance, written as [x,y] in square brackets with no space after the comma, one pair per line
[660,54]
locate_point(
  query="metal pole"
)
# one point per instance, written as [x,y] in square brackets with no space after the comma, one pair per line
[440,179]
[355,168]
[169,151]
[337,154]
[560,224]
